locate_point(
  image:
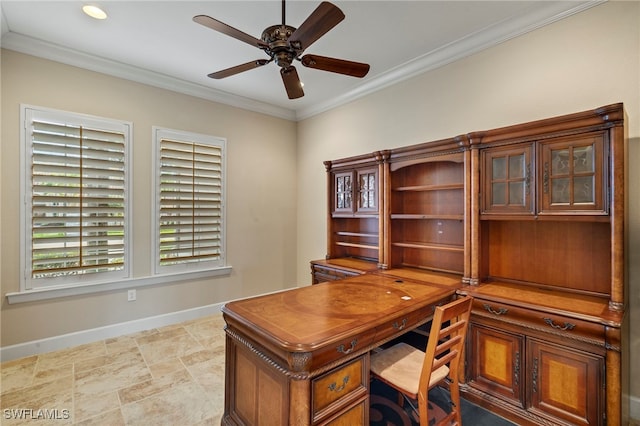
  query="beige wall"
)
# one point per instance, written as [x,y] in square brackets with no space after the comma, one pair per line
[580,63]
[261,201]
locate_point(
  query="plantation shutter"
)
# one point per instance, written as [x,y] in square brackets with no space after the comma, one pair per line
[190,202]
[77,199]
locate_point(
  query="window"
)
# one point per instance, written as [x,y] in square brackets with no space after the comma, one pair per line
[189,198]
[76,204]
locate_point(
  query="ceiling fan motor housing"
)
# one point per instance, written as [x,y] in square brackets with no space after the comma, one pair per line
[277,36]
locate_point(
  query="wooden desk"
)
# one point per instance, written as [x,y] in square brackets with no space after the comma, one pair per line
[301,357]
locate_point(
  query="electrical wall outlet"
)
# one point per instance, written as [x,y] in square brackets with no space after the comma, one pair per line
[131,295]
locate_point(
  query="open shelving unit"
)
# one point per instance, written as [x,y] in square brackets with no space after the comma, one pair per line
[426,212]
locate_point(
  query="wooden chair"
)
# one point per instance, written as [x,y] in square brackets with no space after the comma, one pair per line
[413,372]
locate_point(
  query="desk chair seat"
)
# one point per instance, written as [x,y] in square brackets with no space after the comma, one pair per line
[413,372]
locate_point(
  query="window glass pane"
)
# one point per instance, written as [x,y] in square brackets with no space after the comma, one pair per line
[77,199]
[559,162]
[516,193]
[560,191]
[367,190]
[516,166]
[583,190]
[498,194]
[583,159]
[499,168]
[343,192]
[190,202]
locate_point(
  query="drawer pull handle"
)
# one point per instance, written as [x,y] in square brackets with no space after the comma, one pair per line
[335,388]
[565,327]
[342,350]
[400,326]
[500,311]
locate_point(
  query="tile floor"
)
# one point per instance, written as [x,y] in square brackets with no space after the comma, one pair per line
[165,376]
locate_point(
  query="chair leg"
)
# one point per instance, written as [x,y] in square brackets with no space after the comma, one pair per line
[456,408]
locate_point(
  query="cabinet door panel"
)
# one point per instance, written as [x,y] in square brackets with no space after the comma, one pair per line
[343,193]
[495,362]
[565,383]
[507,182]
[572,176]
[367,191]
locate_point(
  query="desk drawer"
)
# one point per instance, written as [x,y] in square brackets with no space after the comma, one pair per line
[325,273]
[404,323]
[339,386]
[535,320]
[356,415]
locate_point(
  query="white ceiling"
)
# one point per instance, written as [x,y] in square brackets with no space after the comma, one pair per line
[157,43]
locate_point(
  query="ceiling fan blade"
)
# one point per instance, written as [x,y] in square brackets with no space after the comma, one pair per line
[239,68]
[291,82]
[214,24]
[321,20]
[340,66]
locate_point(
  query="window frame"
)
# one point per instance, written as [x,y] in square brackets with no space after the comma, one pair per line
[28,114]
[162,133]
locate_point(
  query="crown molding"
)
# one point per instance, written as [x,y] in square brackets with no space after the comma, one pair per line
[43,49]
[485,38]
[472,43]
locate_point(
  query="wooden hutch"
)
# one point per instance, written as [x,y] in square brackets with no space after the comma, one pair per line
[529,220]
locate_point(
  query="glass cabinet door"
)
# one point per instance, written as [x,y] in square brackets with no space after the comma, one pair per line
[367,191]
[507,180]
[356,191]
[572,175]
[343,192]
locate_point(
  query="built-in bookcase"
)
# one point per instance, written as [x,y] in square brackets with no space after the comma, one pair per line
[427,202]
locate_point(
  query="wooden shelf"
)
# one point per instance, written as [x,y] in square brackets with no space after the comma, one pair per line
[355,245]
[356,234]
[428,268]
[441,187]
[354,216]
[429,246]
[427,216]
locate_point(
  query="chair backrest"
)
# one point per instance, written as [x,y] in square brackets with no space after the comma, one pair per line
[446,341]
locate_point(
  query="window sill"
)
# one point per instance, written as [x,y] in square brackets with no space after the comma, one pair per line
[66,291]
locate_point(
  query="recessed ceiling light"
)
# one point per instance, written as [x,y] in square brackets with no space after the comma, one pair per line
[94,11]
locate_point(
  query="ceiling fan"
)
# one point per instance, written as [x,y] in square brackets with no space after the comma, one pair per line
[284,44]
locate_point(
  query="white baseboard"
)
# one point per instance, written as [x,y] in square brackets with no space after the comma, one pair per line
[63,341]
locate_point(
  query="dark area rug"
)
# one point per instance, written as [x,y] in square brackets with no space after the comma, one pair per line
[385,411]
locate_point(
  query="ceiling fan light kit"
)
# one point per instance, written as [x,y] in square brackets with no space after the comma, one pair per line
[284,44]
